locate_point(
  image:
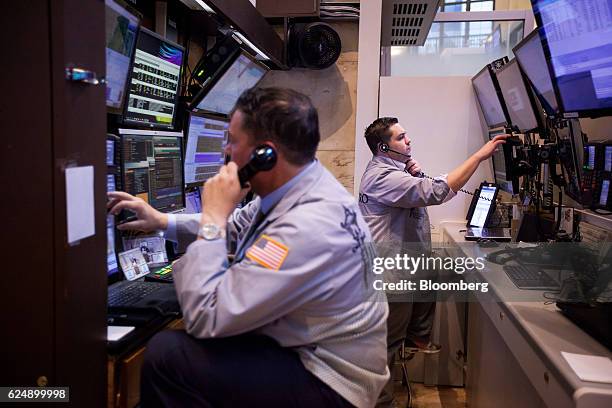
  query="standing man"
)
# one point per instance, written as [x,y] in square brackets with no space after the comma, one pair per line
[393,201]
[293,321]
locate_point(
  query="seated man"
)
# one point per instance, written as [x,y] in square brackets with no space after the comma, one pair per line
[293,321]
[394,197]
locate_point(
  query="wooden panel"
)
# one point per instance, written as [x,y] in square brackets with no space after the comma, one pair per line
[79,129]
[25,176]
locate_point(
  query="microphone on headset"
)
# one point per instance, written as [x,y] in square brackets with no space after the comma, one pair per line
[384,148]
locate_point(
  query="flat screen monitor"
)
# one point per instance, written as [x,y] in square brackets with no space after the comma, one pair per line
[484,206]
[572,158]
[154,82]
[221,94]
[152,167]
[516,96]
[499,165]
[110,152]
[530,56]
[193,202]
[205,152]
[488,98]
[605,191]
[608,158]
[577,42]
[121,31]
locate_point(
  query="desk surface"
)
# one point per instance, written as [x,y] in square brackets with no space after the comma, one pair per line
[540,324]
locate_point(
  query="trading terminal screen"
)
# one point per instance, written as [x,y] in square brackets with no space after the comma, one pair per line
[483,206]
[243,73]
[499,165]
[153,170]
[155,81]
[579,37]
[590,157]
[121,30]
[488,99]
[111,258]
[608,159]
[605,189]
[530,56]
[516,97]
[206,141]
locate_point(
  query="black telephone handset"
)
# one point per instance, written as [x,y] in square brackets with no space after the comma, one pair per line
[263,158]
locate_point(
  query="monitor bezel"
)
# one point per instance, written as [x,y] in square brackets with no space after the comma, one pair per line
[119,110]
[550,111]
[215,77]
[534,108]
[499,97]
[583,113]
[142,132]
[186,127]
[153,126]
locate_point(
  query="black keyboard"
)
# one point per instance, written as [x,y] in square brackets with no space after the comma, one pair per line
[126,294]
[530,277]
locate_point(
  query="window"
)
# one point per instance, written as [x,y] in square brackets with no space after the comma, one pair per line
[468,5]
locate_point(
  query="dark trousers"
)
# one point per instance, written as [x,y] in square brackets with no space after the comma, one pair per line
[242,371]
[406,320]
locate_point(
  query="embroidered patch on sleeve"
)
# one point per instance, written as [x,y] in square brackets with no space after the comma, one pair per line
[268,252]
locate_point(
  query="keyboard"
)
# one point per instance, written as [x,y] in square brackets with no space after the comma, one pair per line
[530,277]
[126,294]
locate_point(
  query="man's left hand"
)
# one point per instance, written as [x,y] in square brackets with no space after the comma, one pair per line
[221,195]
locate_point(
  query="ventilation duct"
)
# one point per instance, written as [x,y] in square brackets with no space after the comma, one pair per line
[407,22]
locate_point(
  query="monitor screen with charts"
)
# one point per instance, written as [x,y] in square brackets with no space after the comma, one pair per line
[608,159]
[577,39]
[152,167]
[243,73]
[205,151]
[488,98]
[530,56]
[121,31]
[516,96]
[484,205]
[154,82]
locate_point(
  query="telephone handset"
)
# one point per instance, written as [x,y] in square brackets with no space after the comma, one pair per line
[263,158]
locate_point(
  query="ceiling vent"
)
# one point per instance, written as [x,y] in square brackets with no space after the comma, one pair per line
[407,22]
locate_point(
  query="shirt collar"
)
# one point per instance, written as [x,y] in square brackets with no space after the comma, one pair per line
[388,160]
[274,197]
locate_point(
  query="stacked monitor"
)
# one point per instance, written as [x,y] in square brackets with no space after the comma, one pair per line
[154,82]
[486,90]
[516,95]
[205,150]
[576,39]
[220,94]
[121,31]
[152,167]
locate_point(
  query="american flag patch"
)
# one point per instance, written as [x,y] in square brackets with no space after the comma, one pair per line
[268,253]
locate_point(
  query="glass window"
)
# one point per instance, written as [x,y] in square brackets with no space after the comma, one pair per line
[468,5]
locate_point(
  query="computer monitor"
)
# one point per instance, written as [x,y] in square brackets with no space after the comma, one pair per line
[577,43]
[112,266]
[571,158]
[193,201]
[484,206]
[608,159]
[121,31]
[530,57]
[220,94]
[499,165]
[590,157]
[205,152]
[152,167]
[604,194]
[517,98]
[154,82]
[489,99]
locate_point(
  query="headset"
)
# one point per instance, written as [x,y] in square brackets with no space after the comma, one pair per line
[263,158]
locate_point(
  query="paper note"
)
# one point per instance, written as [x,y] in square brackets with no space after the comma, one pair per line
[115,333]
[590,368]
[80,203]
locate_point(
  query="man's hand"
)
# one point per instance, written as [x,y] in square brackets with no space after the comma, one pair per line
[221,195]
[413,167]
[148,218]
[488,149]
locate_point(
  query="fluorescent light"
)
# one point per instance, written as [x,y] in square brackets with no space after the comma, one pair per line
[251,45]
[205,6]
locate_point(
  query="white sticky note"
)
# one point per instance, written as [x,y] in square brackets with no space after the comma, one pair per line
[114,333]
[80,203]
[590,368]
